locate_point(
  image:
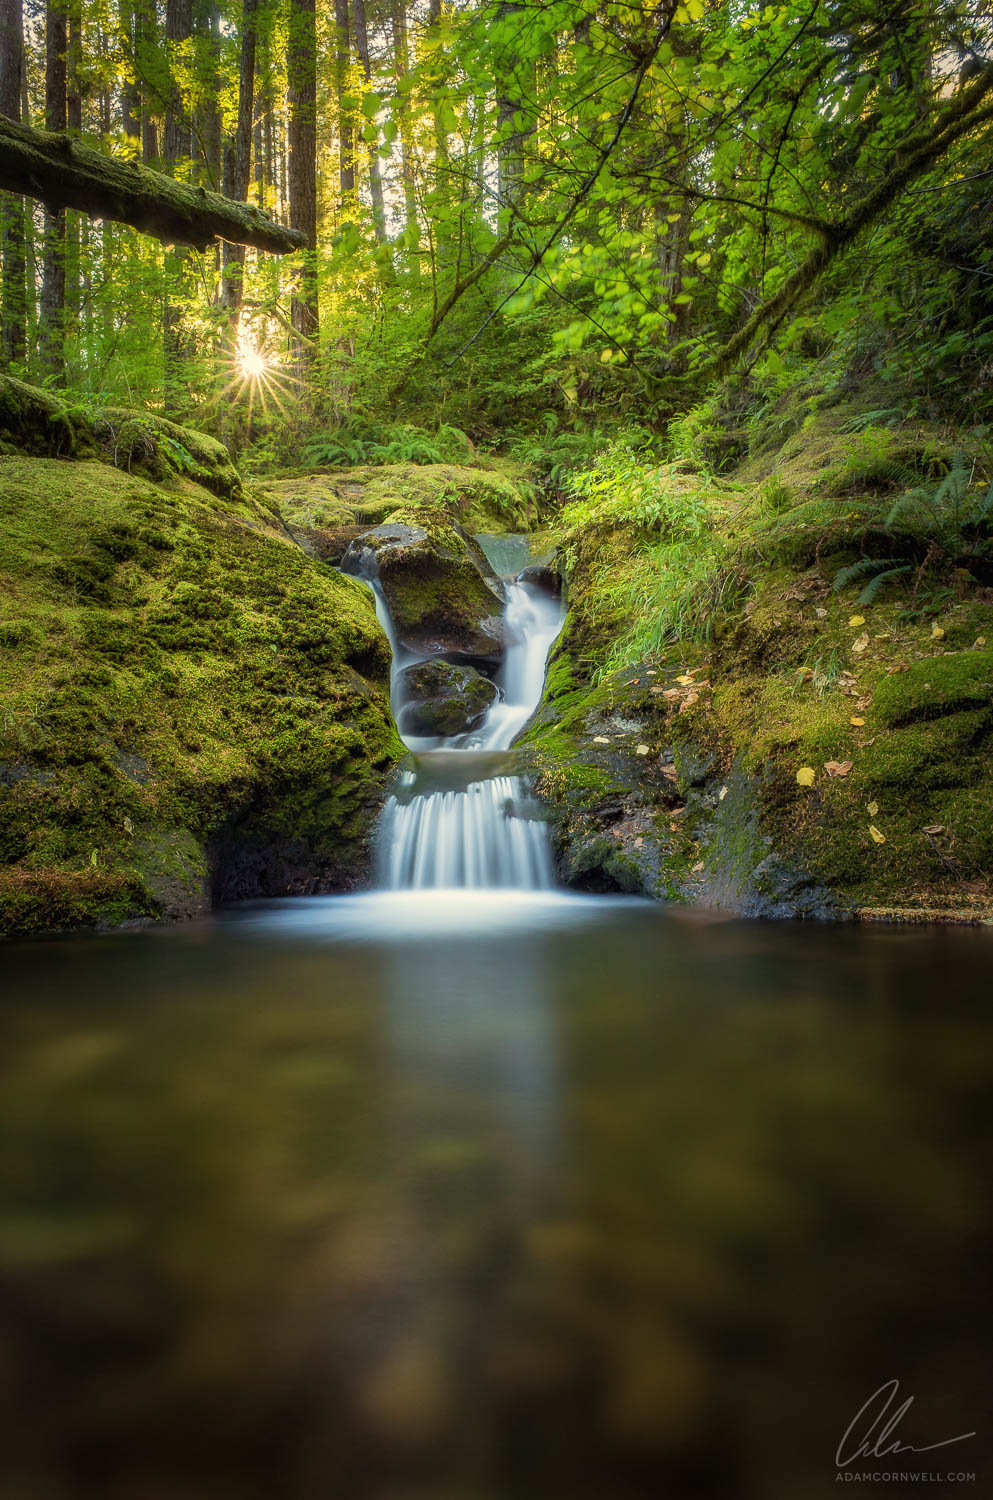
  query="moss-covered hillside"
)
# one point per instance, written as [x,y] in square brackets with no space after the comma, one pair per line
[191,704]
[774,693]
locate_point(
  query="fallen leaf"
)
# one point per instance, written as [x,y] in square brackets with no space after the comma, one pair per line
[638,843]
[980,640]
[686,678]
[641,749]
[863,702]
[805,674]
[847,676]
[937,634]
[601,739]
[777,623]
[635,681]
[670,773]
[900,666]
[859,645]
[689,701]
[856,621]
[805,775]
[820,613]
[671,693]
[877,837]
[859,723]
[837,767]
[873,809]
[935,828]
[722,794]
[697,868]
[651,673]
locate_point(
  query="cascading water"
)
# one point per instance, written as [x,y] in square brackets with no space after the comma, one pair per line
[461,818]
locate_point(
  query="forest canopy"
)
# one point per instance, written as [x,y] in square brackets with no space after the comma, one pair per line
[566,211]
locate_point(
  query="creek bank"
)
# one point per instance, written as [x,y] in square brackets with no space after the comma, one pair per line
[194,709]
[794,752]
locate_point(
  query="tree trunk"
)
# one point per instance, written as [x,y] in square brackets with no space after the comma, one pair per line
[51,330]
[375,171]
[146,56]
[238,164]
[401,60]
[13,338]
[515,116]
[302,81]
[346,132]
[176,132]
[130,92]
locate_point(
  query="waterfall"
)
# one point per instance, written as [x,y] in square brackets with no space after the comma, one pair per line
[461,819]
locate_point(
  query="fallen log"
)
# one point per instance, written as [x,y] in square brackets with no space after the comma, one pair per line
[64,173]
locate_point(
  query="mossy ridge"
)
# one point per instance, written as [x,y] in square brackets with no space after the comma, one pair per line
[175,669]
[480,499]
[40,423]
[800,675]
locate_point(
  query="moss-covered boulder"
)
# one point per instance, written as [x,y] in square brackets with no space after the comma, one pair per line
[443,698]
[492,495]
[40,422]
[143,443]
[193,709]
[442,596]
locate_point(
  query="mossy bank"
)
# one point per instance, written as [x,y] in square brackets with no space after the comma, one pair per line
[193,708]
[734,718]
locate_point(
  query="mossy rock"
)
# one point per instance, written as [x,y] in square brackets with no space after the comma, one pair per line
[935,687]
[143,443]
[39,422]
[444,698]
[494,497]
[440,600]
[189,702]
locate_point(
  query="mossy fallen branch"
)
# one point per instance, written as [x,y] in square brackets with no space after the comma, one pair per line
[63,173]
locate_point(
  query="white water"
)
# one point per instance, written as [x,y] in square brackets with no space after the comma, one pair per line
[476,833]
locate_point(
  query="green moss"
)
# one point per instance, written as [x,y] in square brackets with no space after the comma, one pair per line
[937,686]
[480,499]
[179,679]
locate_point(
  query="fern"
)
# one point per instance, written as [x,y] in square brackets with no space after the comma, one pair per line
[875,585]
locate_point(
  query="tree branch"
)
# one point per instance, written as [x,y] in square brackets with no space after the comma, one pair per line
[64,173]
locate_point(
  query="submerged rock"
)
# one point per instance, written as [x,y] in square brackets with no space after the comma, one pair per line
[442,600]
[444,698]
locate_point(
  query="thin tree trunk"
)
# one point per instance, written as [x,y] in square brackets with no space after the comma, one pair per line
[177,142]
[146,50]
[401,61]
[51,340]
[302,81]
[346,132]
[238,166]
[130,92]
[375,171]
[13,338]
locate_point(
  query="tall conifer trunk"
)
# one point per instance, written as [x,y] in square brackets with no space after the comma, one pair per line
[13,339]
[302,80]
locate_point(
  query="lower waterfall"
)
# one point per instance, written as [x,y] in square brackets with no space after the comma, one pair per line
[461,818]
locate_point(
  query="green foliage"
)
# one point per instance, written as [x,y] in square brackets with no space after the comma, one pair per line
[393,443]
[950,519]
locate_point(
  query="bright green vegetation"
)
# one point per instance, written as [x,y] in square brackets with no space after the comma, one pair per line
[724,625]
[189,701]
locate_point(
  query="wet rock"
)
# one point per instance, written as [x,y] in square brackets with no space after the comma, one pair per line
[440,598]
[543,577]
[444,698]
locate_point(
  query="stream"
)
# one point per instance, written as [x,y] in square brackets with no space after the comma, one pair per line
[469,1188]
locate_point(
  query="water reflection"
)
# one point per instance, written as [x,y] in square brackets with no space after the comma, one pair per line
[464,1199]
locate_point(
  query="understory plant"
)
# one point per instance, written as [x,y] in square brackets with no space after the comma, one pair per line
[660,568]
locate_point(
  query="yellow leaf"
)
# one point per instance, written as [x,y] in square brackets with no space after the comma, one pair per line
[980,640]
[856,621]
[856,721]
[937,634]
[805,775]
[877,837]
[873,809]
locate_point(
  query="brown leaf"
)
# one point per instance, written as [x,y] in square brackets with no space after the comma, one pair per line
[837,767]
[934,828]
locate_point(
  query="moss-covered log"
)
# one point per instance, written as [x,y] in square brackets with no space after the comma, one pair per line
[63,173]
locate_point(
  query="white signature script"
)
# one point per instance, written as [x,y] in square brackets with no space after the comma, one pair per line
[871,1432]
